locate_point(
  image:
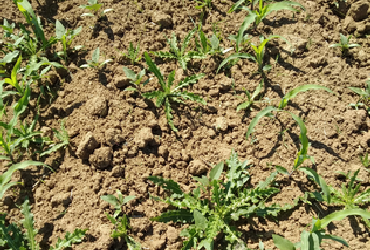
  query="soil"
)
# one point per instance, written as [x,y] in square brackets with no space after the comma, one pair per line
[118,138]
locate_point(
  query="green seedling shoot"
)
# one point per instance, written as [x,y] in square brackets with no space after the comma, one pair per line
[93,6]
[311,240]
[251,98]
[25,238]
[95,62]
[31,44]
[133,53]
[259,14]
[168,93]
[135,79]
[179,54]
[66,36]
[207,46]
[202,5]
[63,140]
[5,178]
[302,154]
[344,44]
[259,51]
[120,220]
[364,97]
[214,204]
[240,39]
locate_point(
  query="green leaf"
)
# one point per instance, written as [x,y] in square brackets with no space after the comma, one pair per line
[8,58]
[191,96]
[60,30]
[129,73]
[255,120]
[285,5]
[181,215]
[96,55]
[234,56]
[70,239]
[319,180]
[170,185]
[30,233]
[200,220]
[153,68]
[335,238]
[294,92]
[164,54]
[216,171]
[248,20]
[188,80]
[5,177]
[282,243]
[340,215]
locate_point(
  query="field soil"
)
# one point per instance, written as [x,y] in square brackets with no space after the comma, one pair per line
[119,138]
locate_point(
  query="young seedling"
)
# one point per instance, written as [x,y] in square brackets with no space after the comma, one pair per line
[350,195]
[135,79]
[5,178]
[311,240]
[259,14]
[344,44]
[180,55]
[365,161]
[13,236]
[66,36]
[240,39]
[62,137]
[167,93]
[207,46]
[302,154]
[211,208]
[364,97]
[133,53]
[32,44]
[202,5]
[94,7]
[260,52]
[120,220]
[251,98]
[95,62]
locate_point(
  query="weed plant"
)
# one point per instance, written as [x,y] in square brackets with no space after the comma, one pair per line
[120,220]
[13,237]
[179,54]
[167,93]
[302,154]
[344,44]
[213,207]
[94,7]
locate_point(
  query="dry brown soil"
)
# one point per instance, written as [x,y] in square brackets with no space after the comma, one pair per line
[118,138]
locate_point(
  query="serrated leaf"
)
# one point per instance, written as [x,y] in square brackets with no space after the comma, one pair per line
[70,239]
[200,220]
[30,233]
[181,215]
[153,68]
[170,185]
[189,80]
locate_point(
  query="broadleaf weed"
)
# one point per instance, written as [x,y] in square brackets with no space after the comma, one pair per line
[210,208]
[169,93]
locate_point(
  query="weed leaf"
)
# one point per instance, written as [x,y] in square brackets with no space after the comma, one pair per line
[181,215]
